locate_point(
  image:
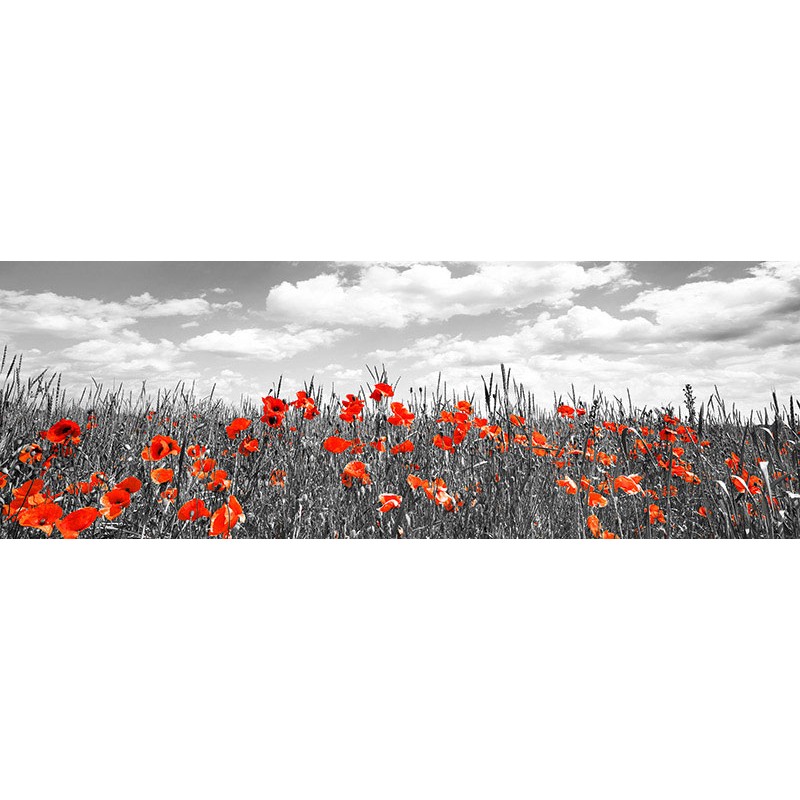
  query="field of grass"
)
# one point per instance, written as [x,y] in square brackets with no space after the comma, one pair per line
[386,463]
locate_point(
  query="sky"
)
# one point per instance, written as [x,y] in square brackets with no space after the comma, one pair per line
[644,327]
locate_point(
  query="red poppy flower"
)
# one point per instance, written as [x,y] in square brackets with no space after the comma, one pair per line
[113,502]
[162,475]
[656,514]
[169,495]
[3,479]
[628,484]
[219,481]
[415,482]
[335,444]
[404,447]
[566,411]
[203,467]
[352,408]
[192,510]
[278,478]
[274,411]
[519,422]
[31,454]
[130,485]
[76,522]
[160,447]
[306,404]
[236,426]
[569,485]
[195,451]
[382,390]
[355,470]
[248,445]
[593,524]
[64,430]
[226,518]
[443,443]
[463,405]
[596,499]
[389,502]
[401,416]
[379,444]
[42,517]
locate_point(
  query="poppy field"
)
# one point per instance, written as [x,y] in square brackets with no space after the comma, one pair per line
[381,463]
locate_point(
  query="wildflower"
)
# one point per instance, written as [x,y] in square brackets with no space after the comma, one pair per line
[656,514]
[389,502]
[460,432]
[443,443]
[31,454]
[160,447]
[352,408]
[202,468]
[248,445]
[593,523]
[219,481]
[42,517]
[71,525]
[382,390]
[162,475]
[335,444]
[278,478]
[355,470]
[236,426]
[274,411]
[628,484]
[401,416]
[569,485]
[566,411]
[226,518]
[306,404]
[169,495]
[379,445]
[404,447]
[63,431]
[114,502]
[130,485]
[596,499]
[195,451]
[518,422]
[192,510]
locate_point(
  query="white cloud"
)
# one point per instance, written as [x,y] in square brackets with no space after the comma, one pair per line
[387,296]
[741,335]
[127,354]
[269,345]
[761,308]
[191,324]
[78,317]
[703,272]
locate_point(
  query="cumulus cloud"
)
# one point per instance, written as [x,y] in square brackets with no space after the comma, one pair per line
[760,309]
[269,345]
[388,296]
[126,354]
[79,317]
[738,334]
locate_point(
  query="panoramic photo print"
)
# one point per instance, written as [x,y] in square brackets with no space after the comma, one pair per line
[352,400]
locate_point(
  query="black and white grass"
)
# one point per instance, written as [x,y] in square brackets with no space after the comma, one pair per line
[634,399]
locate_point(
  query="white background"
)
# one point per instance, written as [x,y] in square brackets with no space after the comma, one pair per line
[254,130]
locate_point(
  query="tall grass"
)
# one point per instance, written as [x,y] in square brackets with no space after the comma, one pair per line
[503,490]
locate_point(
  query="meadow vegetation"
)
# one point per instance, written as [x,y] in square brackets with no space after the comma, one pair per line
[385,463]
